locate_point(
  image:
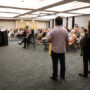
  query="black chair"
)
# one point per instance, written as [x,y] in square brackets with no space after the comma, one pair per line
[31,41]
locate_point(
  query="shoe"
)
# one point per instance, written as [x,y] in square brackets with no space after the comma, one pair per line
[53,78]
[81,75]
[62,78]
[89,72]
[20,43]
[24,47]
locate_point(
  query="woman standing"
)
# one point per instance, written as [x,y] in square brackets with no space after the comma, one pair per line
[86,53]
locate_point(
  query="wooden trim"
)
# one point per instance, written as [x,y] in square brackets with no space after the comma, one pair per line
[10,12]
[15,7]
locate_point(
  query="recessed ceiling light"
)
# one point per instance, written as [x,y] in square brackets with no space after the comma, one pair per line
[32,4]
[69,6]
[28,16]
[48,17]
[13,10]
[66,14]
[82,11]
[7,15]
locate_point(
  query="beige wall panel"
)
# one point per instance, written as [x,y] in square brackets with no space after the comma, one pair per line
[42,24]
[70,23]
[33,25]
[7,24]
[21,24]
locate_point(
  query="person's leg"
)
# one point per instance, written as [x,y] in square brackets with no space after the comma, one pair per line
[89,65]
[85,67]
[25,42]
[22,42]
[28,42]
[62,65]
[81,47]
[85,62]
[54,57]
[89,61]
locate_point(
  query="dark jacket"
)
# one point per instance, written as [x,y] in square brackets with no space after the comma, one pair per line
[24,34]
[86,46]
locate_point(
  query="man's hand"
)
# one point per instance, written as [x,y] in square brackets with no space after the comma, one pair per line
[67,42]
[49,40]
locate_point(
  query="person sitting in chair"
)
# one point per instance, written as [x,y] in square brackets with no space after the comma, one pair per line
[26,35]
[72,38]
[31,38]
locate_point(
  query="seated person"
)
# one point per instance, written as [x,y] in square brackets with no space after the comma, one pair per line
[44,36]
[78,38]
[72,37]
[11,33]
[37,32]
[69,33]
[27,38]
[31,35]
[25,35]
[39,36]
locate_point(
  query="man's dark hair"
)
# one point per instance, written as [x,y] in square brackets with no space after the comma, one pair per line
[59,21]
[85,30]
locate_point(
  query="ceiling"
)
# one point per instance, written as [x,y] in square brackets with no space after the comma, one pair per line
[43,9]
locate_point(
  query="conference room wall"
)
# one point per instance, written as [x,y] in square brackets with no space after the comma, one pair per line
[42,24]
[70,23]
[12,24]
[32,24]
[64,22]
[82,21]
[7,24]
[51,23]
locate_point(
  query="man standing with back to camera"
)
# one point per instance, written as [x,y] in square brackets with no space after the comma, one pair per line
[59,39]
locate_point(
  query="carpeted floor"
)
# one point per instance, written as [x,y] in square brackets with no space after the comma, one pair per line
[30,69]
[14,39]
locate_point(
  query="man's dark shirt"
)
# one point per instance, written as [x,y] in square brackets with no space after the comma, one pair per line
[86,47]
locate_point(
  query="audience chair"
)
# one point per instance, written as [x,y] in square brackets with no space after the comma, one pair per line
[46,44]
[31,41]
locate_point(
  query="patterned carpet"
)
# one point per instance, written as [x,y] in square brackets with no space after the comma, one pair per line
[30,69]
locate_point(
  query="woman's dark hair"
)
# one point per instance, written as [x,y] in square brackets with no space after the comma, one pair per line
[59,21]
[40,31]
[88,34]
[44,34]
[32,31]
[85,30]
[68,30]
